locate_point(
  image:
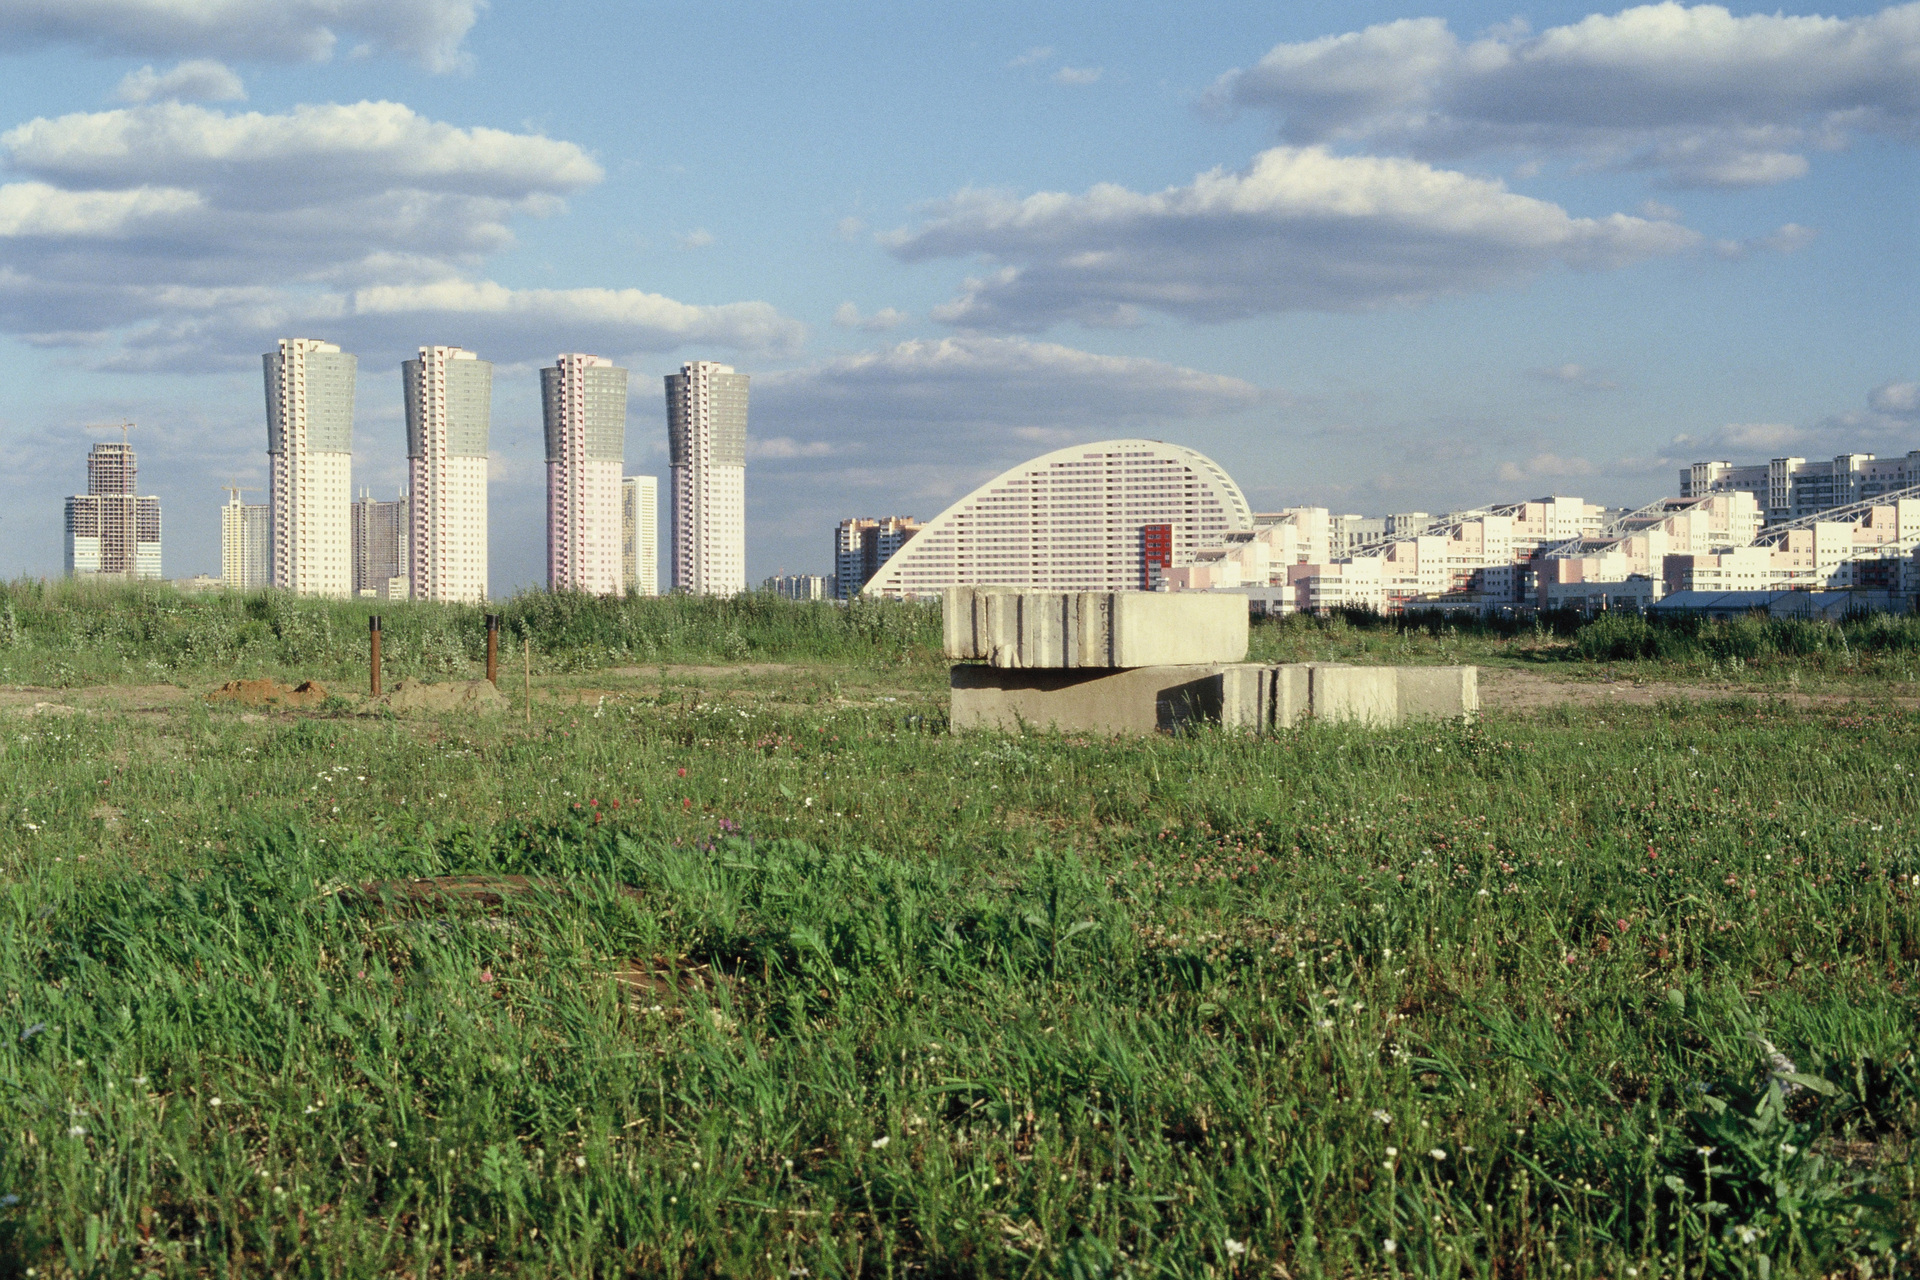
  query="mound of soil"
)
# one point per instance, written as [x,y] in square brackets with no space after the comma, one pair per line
[270,693]
[461,695]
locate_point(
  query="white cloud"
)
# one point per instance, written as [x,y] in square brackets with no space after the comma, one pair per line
[698,238]
[784,448]
[1543,466]
[1896,399]
[1078,75]
[848,316]
[920,396]
[174,235]
[1039,53]
[1695,94]
[1301,229]
[850,228]
[202,80]
[429,31]
[1790,238]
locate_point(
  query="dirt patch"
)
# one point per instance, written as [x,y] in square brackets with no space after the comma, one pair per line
[458,696]
[683,671]
[108,815]
[119,697]
[270,693]
[1508,690]
[661,982]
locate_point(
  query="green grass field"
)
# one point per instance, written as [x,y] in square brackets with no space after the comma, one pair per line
[798,984]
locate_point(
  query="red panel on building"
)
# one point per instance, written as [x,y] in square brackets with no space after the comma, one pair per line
[1156,553]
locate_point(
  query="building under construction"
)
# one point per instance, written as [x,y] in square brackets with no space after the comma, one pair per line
[112,531]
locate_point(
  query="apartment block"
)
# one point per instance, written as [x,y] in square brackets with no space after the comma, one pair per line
[246,538]
[112,531]
[861,546]
[310,387]
[1794,488]
[585,402]
[800,586]
[707,451]
[449,396]
[382,533]
[640,535]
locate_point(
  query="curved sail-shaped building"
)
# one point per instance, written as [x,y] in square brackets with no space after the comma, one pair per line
[1094,517]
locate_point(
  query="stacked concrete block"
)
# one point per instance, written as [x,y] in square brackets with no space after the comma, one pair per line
[1136,663]
[1066,630]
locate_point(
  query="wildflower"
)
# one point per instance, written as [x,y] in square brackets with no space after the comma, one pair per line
[213,1101]
[392,1143]
[1705,1153]
[880,1142]
[1382,1116]
[1235,1247]
[1622,925]
[1389,1246]
[1392,1152]
[579,1162]
[1438,1153]
[1789,1149]
[486,975]
[683,772]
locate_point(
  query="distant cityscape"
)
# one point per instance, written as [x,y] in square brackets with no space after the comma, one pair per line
[1110,515]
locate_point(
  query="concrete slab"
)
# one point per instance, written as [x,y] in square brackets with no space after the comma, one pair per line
[1364,695]
[1438,693]
[1081,629]
[1138,700]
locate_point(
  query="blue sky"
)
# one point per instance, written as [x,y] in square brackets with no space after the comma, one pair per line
[1368,256]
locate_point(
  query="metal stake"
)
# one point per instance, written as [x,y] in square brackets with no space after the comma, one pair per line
[527,652]
[373,635]
[493,650]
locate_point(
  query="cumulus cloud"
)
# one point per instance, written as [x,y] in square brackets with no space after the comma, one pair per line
[848,316]
[1896,399]
[1790,238]
[195,235]
[1884,427]
[1543,466]
[1301,229]
[428,31]
[923,395]
[201,80]
[1692,93]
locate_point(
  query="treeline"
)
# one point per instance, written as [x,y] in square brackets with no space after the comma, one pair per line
[66,632]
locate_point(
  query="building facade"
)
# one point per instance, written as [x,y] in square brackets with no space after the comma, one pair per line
[640,535]
[584,398]
[1794,488]
[799,586]
[112,531]
[382,533]
[862,546]
[246,539]
[1071,520]
[310,466]
[707,450]
[449,394]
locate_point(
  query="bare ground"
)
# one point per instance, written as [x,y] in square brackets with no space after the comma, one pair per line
[1510,690]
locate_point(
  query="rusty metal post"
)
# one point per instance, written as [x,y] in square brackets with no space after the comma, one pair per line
[527,653]
[493,650]
[373,635]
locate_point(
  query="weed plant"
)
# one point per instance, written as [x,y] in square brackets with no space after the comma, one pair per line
[818,989]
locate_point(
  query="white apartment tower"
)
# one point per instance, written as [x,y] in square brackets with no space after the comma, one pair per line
[585,399]
[449,395]
[707,447]
[246,541]
[310,457]
[640,535]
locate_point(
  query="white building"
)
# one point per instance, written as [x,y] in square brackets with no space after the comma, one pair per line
[640,535]
[707,447]
[310,457]
[246,541]
[862,545]
[585,399]
[449,395]
[799,586]
[1077,519]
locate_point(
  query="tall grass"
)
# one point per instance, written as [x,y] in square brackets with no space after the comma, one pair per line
[65,633]
[1555,997]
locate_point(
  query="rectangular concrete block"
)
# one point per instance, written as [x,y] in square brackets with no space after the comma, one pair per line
[1289,697]
[1438,693]
[1082,629]
[1362,695]
[1137,700]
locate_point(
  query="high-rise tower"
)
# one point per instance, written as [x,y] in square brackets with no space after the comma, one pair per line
[585,398]
[110,530]
[640,535]
[245,542]
[449,411]
[707,447]
[310,457]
